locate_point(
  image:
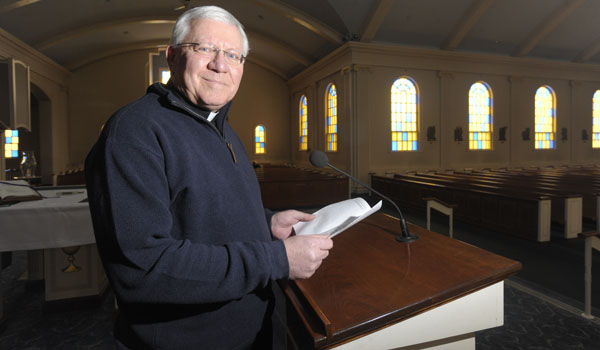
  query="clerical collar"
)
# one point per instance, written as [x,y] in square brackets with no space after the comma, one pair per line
[212,116]
[209,115]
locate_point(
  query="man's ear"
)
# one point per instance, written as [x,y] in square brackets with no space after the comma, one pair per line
[171,57]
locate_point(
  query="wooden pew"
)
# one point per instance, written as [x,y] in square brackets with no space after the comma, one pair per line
[284,187]
[519,214]
[566,206]
[565,179]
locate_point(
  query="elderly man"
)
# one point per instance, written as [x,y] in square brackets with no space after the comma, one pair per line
[188,247]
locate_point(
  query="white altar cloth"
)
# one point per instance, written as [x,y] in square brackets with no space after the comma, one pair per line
[61,219]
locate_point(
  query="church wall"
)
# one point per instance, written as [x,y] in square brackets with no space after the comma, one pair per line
[263,98]
[101,88]
[97,91]
[50,81]
[443,80]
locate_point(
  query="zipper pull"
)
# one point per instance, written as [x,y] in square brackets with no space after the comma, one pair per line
[230,146]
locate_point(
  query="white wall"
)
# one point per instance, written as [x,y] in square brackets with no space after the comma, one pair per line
[51,82]
[443,79]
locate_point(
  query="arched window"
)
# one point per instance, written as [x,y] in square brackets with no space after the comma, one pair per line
[545,118]
[11,144]
[404,115]
[480,116]
[596,120]
[259,139]
[165,75]
[303,119]
[331,123]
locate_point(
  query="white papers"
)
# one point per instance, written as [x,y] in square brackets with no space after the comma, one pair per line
[337,217]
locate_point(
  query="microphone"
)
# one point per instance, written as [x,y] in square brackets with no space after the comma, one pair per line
[319,159]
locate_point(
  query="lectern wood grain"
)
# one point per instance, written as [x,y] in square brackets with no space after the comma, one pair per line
[370,280]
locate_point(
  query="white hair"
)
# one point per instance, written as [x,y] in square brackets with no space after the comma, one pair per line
[182,26]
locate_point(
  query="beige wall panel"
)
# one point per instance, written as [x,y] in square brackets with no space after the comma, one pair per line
[263,98]
[340,158]
[376,95]
[97,91]
[457,155]
[523,117]
[582,151]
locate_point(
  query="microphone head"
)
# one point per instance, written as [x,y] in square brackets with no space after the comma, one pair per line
[318,159]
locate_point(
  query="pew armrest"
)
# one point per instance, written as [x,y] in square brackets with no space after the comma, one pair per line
[588,234]
[427,199]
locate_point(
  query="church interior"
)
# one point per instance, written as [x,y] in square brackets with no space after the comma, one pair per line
[487,111]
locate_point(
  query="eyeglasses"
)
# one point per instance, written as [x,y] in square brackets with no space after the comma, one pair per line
[209,51]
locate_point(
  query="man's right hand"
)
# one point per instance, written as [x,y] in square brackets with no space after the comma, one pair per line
[305,254]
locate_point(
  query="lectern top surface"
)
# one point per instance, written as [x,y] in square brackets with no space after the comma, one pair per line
[370,280]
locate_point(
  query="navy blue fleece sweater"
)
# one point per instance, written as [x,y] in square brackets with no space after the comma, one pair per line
[180,227]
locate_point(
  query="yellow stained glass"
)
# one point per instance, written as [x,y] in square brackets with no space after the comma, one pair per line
[545,118]
[11,144]
[165,75]
[596,120]
[404,115]
[480,117]
[259,139]
[331,122]
[303,118]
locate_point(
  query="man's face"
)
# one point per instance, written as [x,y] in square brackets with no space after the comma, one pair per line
[208,82]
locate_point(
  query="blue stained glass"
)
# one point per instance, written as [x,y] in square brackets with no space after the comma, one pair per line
[8,140]
[404,136]
[394,145]
[15,154]
[334,129]
[15,133]
[414,145]
[257,139]
[262,145]
[551,144]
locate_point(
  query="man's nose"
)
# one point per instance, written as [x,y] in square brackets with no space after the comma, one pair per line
[218,62]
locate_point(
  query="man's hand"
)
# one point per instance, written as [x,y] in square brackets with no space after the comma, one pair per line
[305,254]
[282,222]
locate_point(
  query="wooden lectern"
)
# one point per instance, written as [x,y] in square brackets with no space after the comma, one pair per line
[373,292]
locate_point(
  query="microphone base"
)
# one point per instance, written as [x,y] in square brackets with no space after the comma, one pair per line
[406,239]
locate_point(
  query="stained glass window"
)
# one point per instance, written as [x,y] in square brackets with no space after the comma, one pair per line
[303,118]
[259,139]
[596,120]
[11,144]
[332,114]
[545,118]
[404,115]
[165,75]
[480,116]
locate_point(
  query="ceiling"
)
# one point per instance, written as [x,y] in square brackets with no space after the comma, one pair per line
[286,36]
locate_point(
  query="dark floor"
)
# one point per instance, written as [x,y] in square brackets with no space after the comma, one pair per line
[542,303]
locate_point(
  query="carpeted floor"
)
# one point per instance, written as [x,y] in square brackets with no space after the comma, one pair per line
[542,303]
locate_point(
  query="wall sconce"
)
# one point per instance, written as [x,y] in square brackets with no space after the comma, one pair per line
[431,133]
[458,134]
[525,134]
[564,134]
[502,134]
[584,135]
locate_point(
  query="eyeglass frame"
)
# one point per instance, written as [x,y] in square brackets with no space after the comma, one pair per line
[214,50]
